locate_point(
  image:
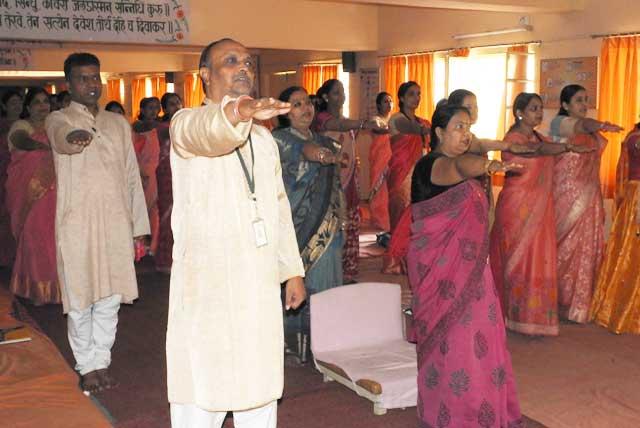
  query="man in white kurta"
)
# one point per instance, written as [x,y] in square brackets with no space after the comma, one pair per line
[225,334]
[100,209]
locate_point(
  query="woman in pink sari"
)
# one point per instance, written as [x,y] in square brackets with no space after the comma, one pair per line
[465,377]
[330,122]
[10,109]
[578,203]
[523,245]
[379,156]
[31,200]
[171,103]
[147,147]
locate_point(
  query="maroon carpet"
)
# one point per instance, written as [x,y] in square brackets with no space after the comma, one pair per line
[138,363]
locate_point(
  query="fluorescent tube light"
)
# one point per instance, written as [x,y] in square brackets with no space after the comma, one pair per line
[519,29]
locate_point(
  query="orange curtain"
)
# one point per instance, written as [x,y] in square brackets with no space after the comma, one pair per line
[312,78]
[619,100]
[137,94]
[113,90]
[314,75]
[460,52]
[421,72]
[329,72]
[193,92]
[394,76]
[158,86]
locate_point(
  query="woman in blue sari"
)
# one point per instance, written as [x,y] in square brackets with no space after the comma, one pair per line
[311,175]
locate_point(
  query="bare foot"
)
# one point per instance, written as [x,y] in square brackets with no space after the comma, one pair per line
[106,381]
[91,382]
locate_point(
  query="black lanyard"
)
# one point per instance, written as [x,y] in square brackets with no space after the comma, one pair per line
[249,177]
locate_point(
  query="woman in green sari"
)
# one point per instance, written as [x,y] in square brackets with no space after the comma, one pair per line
[311,175]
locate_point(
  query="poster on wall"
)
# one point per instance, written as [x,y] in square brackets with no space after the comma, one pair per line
[555,74]
[115,21]
[369,85]
[12,58]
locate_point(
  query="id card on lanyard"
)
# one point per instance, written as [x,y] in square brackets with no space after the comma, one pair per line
[259,227]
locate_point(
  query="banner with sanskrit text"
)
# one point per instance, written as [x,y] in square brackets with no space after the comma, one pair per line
[116,21]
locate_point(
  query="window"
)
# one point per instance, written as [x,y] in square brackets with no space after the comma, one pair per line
[343,77]
[440,77]
[484,75]
[495,75]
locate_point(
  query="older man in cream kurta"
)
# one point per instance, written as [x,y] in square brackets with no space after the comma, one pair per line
[100,208]
[225,333]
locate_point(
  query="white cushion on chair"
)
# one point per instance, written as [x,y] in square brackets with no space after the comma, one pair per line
[359,329]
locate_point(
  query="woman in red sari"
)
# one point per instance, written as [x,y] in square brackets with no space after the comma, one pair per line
[147,147]
[31,200]
[330,122]
[409,142]
[465,377]
[171,103]
[523,245]
[578,203]
[10,109]
[379,156]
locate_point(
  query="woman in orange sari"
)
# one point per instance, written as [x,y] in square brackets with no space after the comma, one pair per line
[409,142]
[10,109]
[616,300]
[379,156]
[330,122]
[31,200]
[578,203]
[147,147]
[523,245]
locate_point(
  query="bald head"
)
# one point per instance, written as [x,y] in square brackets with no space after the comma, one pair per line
[226,68]
[206,52]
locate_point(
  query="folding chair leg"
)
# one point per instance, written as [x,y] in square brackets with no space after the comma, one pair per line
[378,410]
[305,349]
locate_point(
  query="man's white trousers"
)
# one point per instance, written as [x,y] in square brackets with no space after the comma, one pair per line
[191,416]
[92,332]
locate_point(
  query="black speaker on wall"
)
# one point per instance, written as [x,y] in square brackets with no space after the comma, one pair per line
[349,62]
[169,77]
